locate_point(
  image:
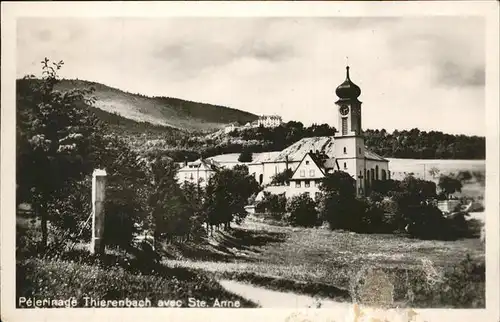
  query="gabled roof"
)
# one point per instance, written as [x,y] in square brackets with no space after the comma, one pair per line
[201,164]
[317,161]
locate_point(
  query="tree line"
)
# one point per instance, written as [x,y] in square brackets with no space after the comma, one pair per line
[414,144]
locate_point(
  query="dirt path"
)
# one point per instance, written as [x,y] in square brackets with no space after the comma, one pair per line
[274,299]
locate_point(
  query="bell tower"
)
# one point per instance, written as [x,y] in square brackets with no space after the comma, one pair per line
[349,140]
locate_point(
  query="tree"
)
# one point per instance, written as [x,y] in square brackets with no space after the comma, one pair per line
[464,176]
[245,156]
[55,134]
[340,183]
[282,178]
[227,193]
[338,205]
[302,211]
[173,214]
[434,172]
[449,185]
[274,203]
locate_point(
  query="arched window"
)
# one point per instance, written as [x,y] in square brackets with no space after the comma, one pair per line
[372,174]
[345,150]
[345,165]
[261,178]
[384,175]
[376,172]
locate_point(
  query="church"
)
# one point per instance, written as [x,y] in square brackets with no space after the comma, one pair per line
[310,159]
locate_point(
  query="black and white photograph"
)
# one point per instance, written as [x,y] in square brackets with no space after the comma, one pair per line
[231,162]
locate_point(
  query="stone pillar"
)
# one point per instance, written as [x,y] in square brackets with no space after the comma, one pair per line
[98,198]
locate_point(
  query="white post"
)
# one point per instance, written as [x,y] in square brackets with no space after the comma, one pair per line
[98,197]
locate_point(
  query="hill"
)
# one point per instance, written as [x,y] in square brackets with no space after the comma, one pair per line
[163,111]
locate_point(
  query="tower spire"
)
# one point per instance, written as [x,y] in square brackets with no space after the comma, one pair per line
[347,72]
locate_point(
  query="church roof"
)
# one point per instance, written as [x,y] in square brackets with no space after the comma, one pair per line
[374,156]
[348,90]
[323,144]
[296,151]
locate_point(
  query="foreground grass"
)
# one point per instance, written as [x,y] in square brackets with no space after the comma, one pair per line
[42,279]
[62,272]
[331,264]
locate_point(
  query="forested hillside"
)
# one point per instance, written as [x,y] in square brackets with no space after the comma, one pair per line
[167,111]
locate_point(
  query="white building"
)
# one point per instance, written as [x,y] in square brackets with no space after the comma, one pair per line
[269,121]
[230,128]
[197,172]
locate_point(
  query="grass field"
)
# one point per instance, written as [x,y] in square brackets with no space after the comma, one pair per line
[312,261]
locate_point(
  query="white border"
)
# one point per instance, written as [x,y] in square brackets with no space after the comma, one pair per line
[10,11]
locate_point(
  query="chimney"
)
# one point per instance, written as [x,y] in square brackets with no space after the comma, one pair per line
[311,151]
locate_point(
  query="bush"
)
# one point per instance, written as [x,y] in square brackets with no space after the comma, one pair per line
[428,222]
[302,211]
[272,203]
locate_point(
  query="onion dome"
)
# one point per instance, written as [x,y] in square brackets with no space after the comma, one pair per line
[348,90]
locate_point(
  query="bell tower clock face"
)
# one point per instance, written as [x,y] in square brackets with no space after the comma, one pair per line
[344,110]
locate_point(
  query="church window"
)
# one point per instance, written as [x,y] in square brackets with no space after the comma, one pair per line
[359,150]
[345,165]
[344,126]
[191,176]
[376,172]
[311,173]
[307,184]
[345,150]
[302,173]
[297,184]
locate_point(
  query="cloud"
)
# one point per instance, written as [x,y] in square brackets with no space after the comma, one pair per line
[413,72]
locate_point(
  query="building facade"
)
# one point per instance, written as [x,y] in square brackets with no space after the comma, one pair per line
[197,172]
[269,121]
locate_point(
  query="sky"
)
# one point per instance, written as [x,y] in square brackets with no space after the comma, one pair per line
[414,72]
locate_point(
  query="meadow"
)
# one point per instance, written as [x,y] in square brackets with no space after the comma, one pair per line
[317,261]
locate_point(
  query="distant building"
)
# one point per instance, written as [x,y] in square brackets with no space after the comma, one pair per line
[197,172]
[230,128]
[269,121]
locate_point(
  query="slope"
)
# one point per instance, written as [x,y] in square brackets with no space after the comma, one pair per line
[164,111]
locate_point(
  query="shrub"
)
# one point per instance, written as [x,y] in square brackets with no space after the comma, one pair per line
[302,211]
[275,203]
[428,222]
